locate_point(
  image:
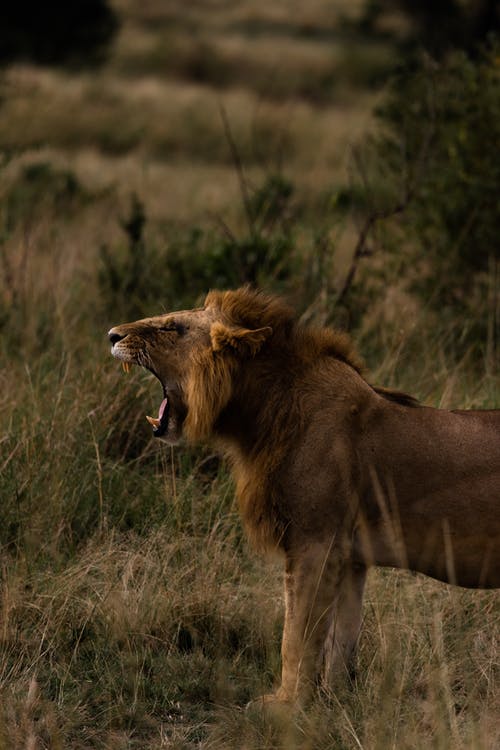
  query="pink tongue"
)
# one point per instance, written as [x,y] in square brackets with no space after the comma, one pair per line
[163,406]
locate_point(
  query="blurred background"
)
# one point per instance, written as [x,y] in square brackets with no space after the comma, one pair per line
[344,153]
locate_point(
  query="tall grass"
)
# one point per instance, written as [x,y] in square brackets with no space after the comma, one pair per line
[132,613]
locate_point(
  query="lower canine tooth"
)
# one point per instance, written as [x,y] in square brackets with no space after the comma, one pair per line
[154,422]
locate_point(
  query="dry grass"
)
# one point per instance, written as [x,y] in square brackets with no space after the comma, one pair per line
[132,614]
[149,638]
[424,667]
[166,141]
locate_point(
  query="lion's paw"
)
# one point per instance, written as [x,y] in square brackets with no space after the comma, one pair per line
[278,703]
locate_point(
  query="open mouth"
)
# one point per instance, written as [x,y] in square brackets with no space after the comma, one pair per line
[170,413]
[160,423]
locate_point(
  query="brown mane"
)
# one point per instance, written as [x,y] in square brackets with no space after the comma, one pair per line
[264,329]
[254,309]
[287,348]
[210,387]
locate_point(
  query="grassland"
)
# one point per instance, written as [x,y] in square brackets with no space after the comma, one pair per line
[132,613]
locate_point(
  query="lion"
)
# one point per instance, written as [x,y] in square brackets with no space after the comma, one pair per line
[334,474]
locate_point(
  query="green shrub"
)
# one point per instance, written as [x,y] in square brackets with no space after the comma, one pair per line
[433,182]
[457,106]
[140,278]
[132,275]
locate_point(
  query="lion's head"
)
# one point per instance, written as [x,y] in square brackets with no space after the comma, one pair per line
[195,355]
[199,355]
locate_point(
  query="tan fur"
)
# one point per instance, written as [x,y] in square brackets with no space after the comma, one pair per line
[334,474]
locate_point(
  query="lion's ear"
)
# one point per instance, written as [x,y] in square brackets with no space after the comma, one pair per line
[242,340]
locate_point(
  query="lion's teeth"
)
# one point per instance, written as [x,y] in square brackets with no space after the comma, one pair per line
[126,366]
[154,422]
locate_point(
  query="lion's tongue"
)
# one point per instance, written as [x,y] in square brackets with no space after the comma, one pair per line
[157,422]
[163,406]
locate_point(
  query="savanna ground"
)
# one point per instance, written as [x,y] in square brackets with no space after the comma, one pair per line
[132,613]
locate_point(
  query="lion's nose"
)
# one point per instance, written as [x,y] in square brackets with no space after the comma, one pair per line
[115,337]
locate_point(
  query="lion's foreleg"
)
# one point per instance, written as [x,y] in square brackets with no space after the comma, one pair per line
[311,578]
[345,624]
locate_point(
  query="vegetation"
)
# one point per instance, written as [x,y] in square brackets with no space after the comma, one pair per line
[428,179]
[132,613]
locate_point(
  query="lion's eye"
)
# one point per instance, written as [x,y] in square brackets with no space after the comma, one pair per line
[173,327]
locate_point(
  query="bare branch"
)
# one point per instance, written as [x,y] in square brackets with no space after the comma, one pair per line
[411,184]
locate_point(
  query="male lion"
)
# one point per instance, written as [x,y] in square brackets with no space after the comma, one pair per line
[334,473]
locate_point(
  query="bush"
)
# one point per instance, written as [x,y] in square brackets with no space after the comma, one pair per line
[139,278]
[434,174]
[457,105]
